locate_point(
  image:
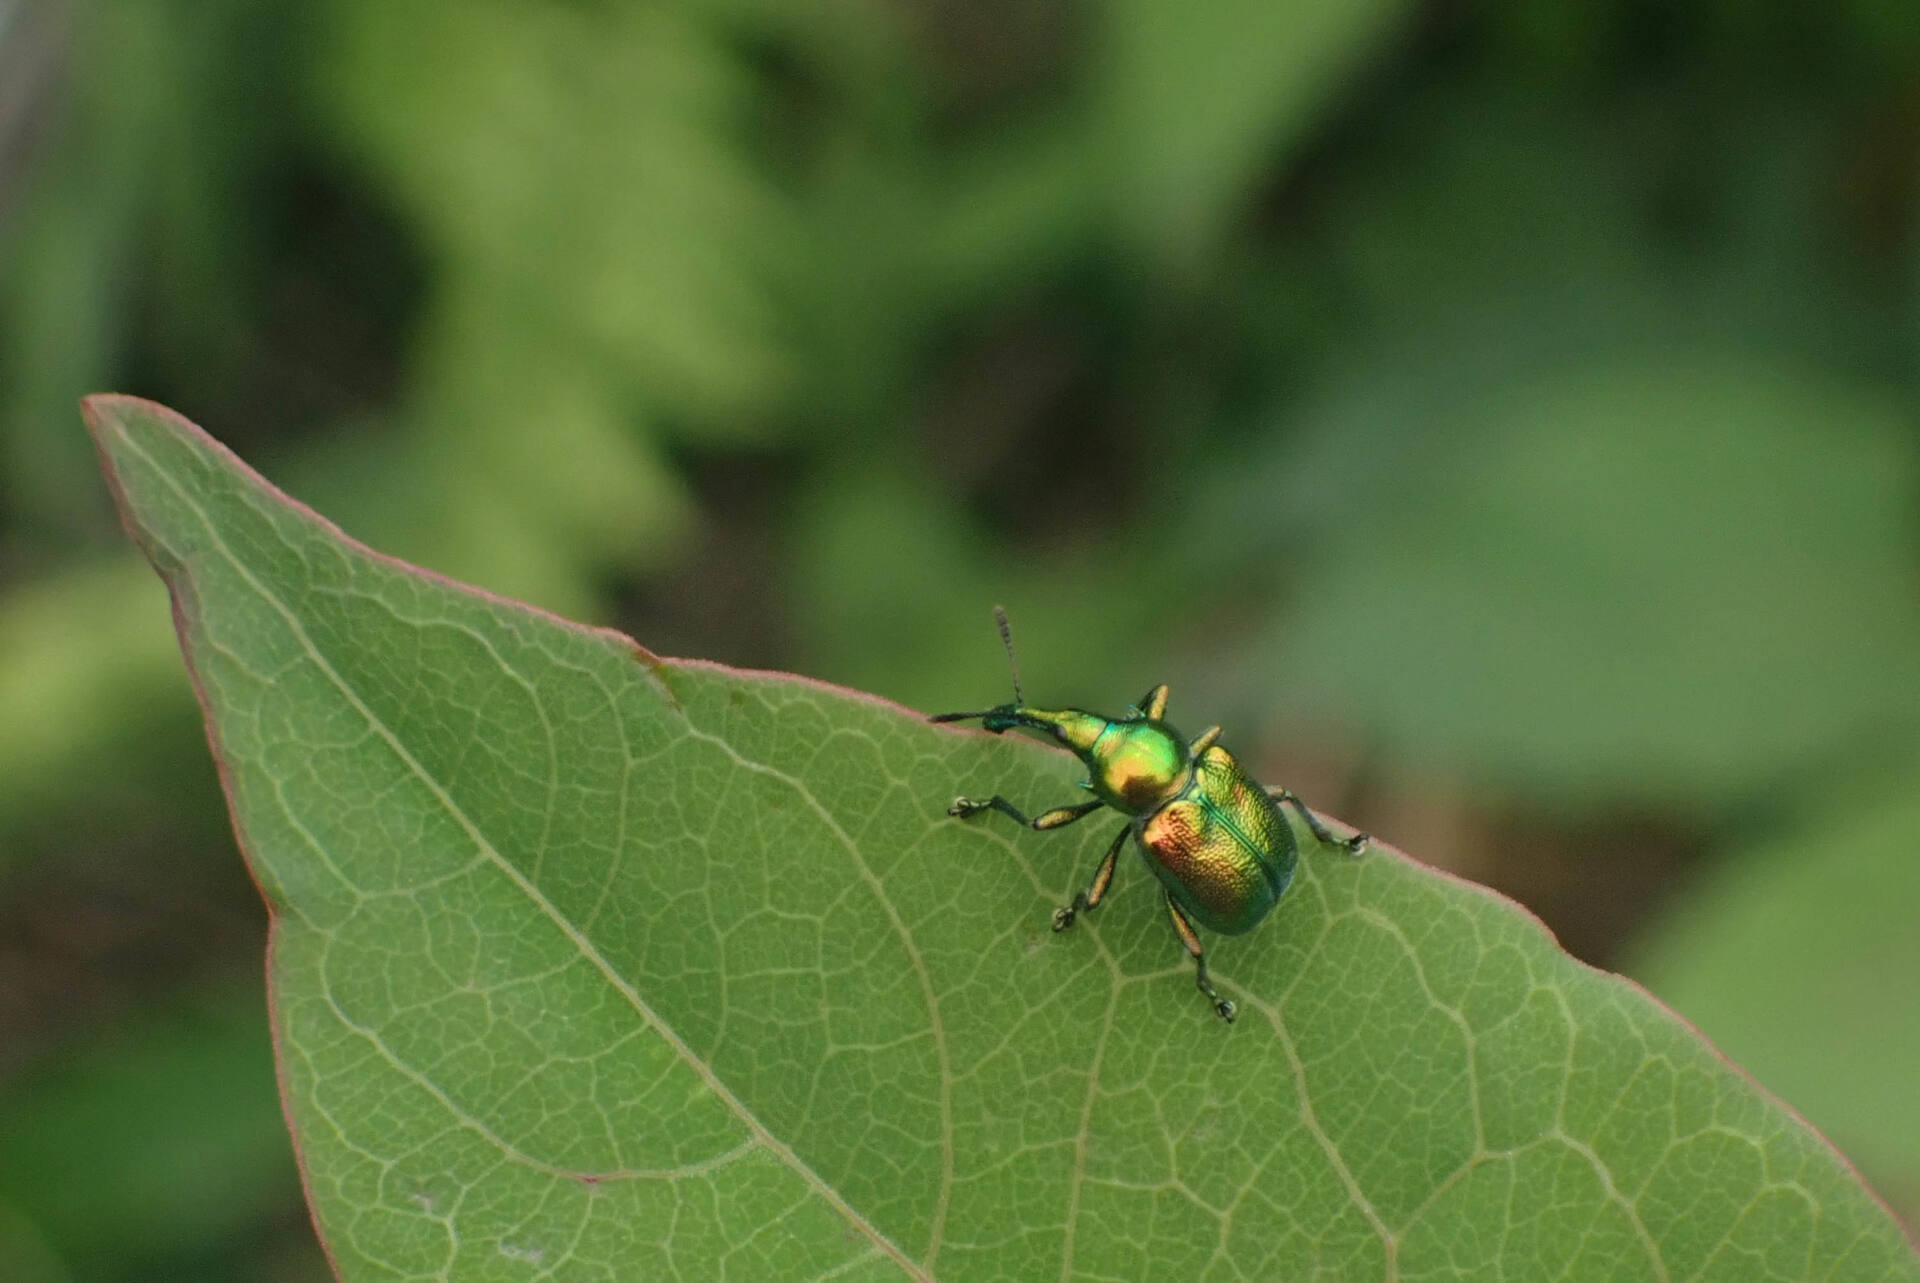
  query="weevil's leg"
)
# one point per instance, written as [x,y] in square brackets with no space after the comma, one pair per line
[1153,704]
[964,806]
[1096,891]
[1353,845]
[1191,938]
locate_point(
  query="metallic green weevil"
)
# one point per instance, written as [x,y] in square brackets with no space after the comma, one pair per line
[1214,837]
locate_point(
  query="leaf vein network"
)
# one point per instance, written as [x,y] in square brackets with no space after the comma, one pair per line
[519,879]
[944,1198]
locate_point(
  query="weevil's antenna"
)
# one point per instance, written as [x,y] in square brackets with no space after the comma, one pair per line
[1006,639]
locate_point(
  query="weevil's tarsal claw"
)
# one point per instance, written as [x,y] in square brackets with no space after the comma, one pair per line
[1062,918]
[1352,846]
[963,807]
[1222,1007]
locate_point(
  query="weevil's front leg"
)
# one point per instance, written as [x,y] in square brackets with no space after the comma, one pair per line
[1191,938]
[1096,891]
[1061,815]
[1353,845]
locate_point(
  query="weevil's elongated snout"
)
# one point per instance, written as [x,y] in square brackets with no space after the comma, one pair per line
[1070,726]
[1003,717]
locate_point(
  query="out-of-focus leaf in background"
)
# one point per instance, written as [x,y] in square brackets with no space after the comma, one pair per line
[1626,585]
[155,1142]
[795,336]
[582,175]
[1203,102]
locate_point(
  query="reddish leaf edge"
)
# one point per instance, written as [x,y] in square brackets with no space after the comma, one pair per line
[95,410]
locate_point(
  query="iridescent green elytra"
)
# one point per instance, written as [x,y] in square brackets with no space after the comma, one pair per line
[1214,837]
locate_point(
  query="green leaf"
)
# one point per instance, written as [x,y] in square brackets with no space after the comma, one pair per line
[1203,99]
[1719,516]
[81,656]
[1804,945]
[131,1152]
[593,965]
[635,229]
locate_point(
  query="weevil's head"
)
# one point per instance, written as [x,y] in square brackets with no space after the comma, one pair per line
[1133,764]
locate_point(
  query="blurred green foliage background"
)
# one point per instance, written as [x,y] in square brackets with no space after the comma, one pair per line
[1502,417]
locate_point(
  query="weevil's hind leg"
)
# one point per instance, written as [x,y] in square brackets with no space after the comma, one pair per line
[1191,938]
[1096,891]
[1061,815]
[1353,845]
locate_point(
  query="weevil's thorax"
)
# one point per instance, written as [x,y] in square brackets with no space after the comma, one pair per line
[1137,765]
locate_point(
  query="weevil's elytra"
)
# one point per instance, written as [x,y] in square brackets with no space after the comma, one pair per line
[1213,836]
